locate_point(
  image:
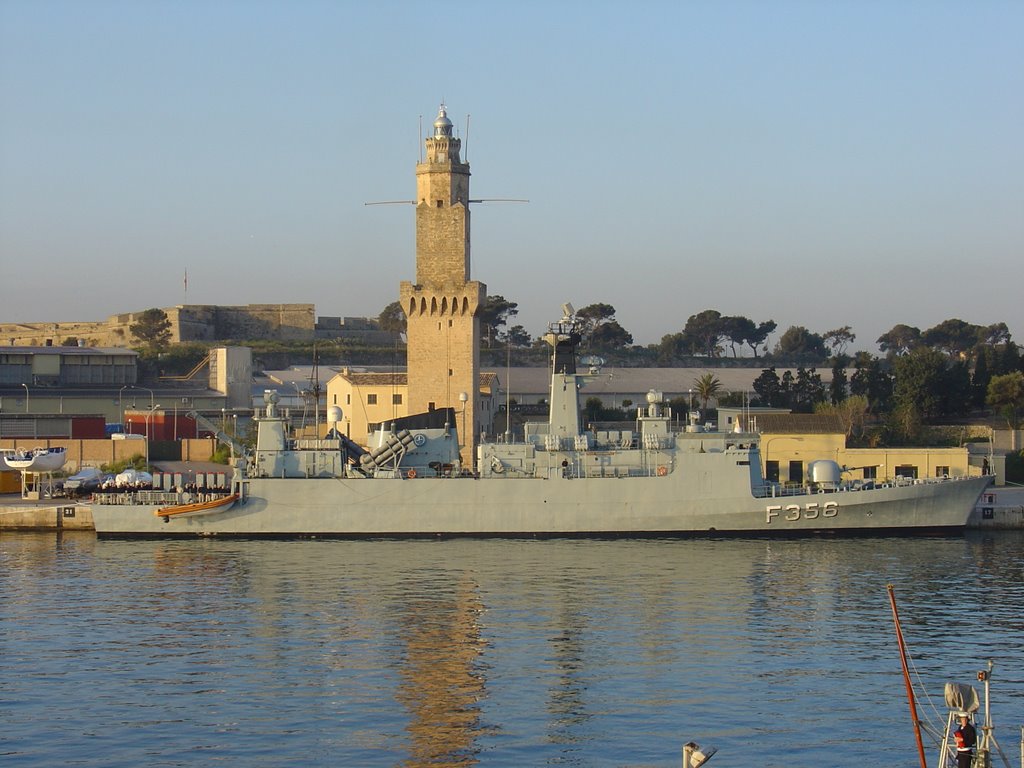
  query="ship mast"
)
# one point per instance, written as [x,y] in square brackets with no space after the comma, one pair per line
[906,677]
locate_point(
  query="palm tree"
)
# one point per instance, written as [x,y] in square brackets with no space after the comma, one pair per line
[708,386]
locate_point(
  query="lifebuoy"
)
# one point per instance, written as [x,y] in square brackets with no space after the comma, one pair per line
[662,471]
[411,473]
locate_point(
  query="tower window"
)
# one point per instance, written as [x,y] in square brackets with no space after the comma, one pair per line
[440,203]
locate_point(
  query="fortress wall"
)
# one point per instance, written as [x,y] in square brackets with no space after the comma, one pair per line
[286,322]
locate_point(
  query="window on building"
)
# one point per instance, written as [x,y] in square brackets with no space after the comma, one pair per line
[440,203]
[335,400]
[371,399]
[942,471]
[396,399]
[906,470]
[431,406]
[870,473]
[771,471]
[796,472]
[348,399]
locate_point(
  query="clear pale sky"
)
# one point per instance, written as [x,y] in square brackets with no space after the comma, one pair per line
[816,163]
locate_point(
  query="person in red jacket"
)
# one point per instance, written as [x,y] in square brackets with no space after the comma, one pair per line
[965,737]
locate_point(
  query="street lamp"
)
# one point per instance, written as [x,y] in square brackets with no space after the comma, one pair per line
[26,395]
[148,414]
[135,386]
[120,404]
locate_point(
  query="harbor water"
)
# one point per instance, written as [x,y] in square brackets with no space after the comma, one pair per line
[495,652]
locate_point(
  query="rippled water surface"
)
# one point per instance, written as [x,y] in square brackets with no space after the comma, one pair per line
[493,653]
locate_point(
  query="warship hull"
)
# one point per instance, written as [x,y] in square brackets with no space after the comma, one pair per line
[550,507]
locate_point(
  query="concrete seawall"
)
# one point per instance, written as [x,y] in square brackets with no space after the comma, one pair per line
[999,508]
[18,514]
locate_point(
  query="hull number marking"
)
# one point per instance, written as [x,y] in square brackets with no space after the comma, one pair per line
[793,512]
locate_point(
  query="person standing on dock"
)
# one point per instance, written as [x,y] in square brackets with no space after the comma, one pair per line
[965,739]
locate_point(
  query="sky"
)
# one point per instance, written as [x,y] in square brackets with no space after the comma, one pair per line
[822,164]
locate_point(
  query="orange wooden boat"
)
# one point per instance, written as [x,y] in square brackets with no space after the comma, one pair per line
[199,508]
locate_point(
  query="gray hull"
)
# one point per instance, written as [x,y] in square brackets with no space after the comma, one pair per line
[670,505]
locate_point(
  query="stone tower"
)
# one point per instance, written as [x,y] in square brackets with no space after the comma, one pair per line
[442,305]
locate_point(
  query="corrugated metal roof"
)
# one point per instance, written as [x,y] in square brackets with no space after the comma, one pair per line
[798,423]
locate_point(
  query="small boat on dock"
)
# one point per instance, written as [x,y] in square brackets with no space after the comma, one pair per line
[35,460]
[196,509]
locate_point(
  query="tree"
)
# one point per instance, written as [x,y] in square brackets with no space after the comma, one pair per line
[799,343]
[517,336]
[838,339]
[392,318]
[1006,393]
[493,314]
[955,393]
[600,329]
[760,335]
[670,348]
[591,316]
[872,381]
[806,390]
[702,332]
[152,330]
[919,379]
[611,335]
[837,389]
[768,388]
[995,334]
[736,330]
[954,337]
[708,387]
[981,376]
[900,339]
[1011,359]
[852,412]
